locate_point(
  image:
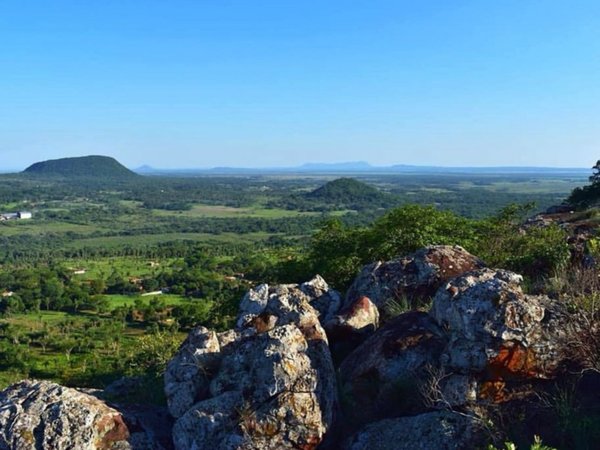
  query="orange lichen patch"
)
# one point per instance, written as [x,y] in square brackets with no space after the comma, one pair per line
[311,443]
[513,360]
[412,341]
[264,322]
[493,391]
[363,303]
[112,429]
[452,265]
[453,290]
[501,391]
[313,331]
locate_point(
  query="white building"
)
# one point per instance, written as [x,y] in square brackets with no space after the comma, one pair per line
[24,215]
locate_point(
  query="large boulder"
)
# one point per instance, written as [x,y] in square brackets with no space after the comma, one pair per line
[499,333]
[439,430]
[268,384]
[383,377]
[44,415]
[416,277]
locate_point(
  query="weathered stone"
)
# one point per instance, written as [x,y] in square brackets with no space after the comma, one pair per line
[325,300]
[416,276]
[44,415]
[268,394]
[382,377]
[270,383]
[187,374]
[316,293]
[497,331]
[441,430]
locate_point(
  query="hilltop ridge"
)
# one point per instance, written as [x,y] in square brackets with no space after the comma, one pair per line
[96,166]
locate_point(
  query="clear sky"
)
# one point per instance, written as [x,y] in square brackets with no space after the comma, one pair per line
[202,83]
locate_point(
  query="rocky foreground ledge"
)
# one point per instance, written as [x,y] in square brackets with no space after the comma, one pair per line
[420,380]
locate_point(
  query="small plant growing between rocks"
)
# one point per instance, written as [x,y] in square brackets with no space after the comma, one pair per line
[396,306]
[247,418]
[537,445]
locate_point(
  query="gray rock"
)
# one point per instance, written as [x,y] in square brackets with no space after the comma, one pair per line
[383,376]
[440,430]
[269,384]
[44,415]
[498,332]
[416,276]
[187,375]
[325,301]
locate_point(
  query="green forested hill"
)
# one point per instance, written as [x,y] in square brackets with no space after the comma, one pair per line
[346,191]
[84,166]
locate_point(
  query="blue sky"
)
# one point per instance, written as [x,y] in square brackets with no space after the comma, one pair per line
[277,83]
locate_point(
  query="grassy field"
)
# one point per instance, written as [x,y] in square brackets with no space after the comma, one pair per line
[81,347]
[33,227]
[149,239]
[531,186]
[117,301]
[130,266]
[221,211]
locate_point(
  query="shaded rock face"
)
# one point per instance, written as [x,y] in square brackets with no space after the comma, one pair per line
[45,415]
[381,378]
[497,330]
[484,342]
[268,384]
[187,375]
[441,430]
[417,276]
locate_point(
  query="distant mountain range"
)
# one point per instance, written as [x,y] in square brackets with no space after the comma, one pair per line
[361,167]
[107,167]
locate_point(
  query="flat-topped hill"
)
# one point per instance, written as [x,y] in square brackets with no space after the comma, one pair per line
[85,166]
[346,190]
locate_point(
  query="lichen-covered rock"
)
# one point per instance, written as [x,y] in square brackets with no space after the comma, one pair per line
[440,430]
[268,384]
[316,292]
[498,331]
[416,276]
[187,375]
[325,300]
[267,394]
[382,377]
[44,415]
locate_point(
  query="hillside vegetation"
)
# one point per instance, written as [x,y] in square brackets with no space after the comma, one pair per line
[84,166]
[346,191]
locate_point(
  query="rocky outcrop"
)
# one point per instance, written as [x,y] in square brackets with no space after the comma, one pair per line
[441,430]
[497,330]
[415,277]
[382,377]
[45,415]
[268,384]
[484,342]
[420,381]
